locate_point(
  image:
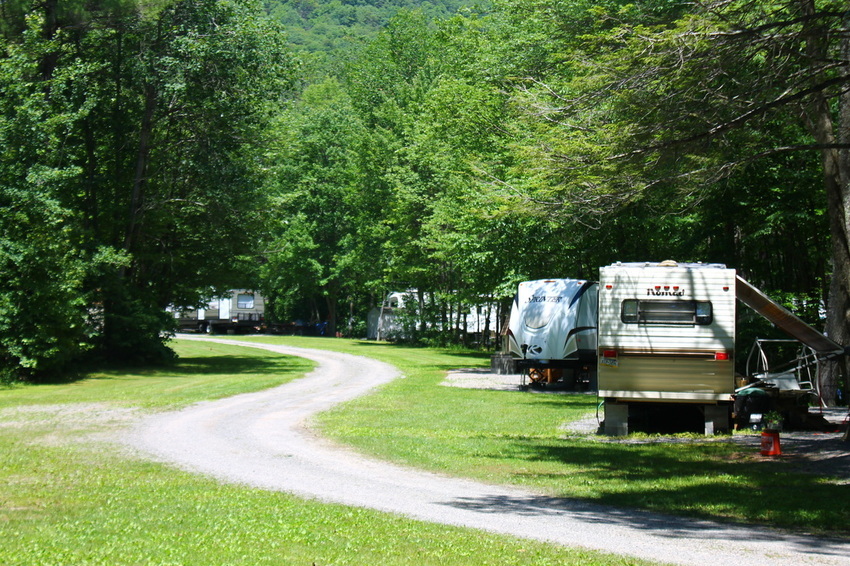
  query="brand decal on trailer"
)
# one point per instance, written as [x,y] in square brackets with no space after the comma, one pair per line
[544,299]
[665,291]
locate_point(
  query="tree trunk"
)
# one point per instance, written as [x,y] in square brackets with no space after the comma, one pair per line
[836,176]
[844,170]
[838,307]
[48,31]
[136,198]
[331,302]
[420,301]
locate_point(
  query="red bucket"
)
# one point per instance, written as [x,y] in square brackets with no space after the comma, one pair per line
[770,443]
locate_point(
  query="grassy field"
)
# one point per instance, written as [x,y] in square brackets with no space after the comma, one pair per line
[518,438]
[70,495]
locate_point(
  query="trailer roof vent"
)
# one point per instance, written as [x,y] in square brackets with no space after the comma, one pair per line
[668,263]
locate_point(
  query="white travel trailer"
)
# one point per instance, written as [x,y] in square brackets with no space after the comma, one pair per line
[666,335]
[553,327]
[382,322]
[385,322]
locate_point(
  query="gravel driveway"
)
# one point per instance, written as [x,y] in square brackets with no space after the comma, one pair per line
[263,440]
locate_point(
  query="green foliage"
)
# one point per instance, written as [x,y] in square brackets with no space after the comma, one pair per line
[128,170]
[158,153]
[43,316]
[316,244]
[508,146]
[631,132]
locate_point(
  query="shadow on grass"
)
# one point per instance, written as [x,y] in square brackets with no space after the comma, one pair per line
[233,365]
[548,509]
[205,365]
[700,479]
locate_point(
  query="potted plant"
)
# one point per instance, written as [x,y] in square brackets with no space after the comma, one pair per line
[772,421]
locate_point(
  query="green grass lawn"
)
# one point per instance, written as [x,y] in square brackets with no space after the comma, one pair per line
[70,495]
[518,438]
[204,370]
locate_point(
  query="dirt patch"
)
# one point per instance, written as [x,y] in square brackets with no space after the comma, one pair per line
[824,454]
[100,420]
[476,378]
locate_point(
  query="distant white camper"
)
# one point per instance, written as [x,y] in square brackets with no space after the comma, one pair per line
[553,327]
[666,334]
[386,322]
[382,322]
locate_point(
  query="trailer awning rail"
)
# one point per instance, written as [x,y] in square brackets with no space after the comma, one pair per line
[785,320]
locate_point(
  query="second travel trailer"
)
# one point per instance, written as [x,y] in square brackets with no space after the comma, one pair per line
[240,310]
[666,335]
[552,331]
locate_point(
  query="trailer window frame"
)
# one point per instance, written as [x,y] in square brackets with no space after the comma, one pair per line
[666,312]
[245,300]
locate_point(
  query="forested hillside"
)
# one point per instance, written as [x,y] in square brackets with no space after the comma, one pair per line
[337,25]
[151,153]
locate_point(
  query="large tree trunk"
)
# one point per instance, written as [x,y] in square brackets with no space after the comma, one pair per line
[836,174]
[844,175]
[838,308]
[140,178]
[838,302]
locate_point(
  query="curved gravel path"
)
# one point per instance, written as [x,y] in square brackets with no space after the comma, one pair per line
[261,439]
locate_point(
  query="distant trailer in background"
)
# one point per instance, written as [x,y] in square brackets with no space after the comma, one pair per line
[552,332]
[240,311]
[400,315]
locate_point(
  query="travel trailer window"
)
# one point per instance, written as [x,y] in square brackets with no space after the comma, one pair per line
[637,311]
[245,301]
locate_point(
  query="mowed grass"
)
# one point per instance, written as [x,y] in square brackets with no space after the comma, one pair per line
[203,371]
[519,438]
[69,494]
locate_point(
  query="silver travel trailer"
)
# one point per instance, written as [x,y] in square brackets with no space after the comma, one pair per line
[666,335]
[552,331]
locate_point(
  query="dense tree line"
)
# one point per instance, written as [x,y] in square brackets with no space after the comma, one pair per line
[152,155]
[129,172]
[545,139]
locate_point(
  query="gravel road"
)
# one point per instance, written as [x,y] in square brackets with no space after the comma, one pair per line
[263,440]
